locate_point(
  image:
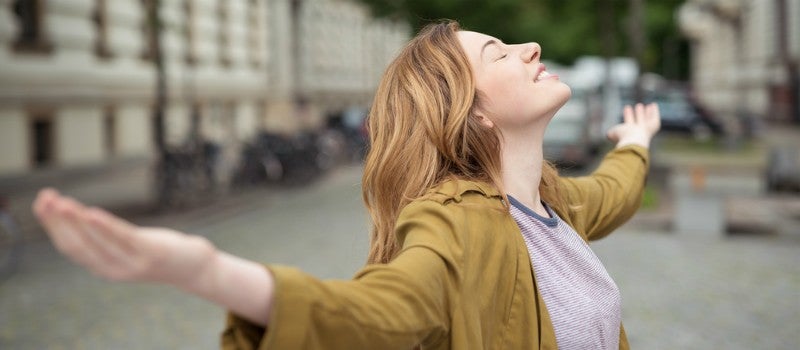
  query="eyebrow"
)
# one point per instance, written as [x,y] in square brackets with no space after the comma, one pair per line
[490,42]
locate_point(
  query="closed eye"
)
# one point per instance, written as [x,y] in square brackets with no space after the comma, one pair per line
[502,57]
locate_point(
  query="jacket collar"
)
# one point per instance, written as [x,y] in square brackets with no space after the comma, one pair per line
[454,189]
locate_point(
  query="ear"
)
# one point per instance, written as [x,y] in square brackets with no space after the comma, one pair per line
[485,121]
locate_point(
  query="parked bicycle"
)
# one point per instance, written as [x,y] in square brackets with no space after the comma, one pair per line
[287,159]
[10,237]
[186,175]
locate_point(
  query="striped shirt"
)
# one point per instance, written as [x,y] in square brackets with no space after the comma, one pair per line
[583,301]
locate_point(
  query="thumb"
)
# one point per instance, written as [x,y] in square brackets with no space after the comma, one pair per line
[614,133]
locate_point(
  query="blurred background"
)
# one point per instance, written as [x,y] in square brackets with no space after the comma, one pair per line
[243,121]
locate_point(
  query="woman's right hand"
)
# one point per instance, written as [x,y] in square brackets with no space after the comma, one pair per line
[118,250]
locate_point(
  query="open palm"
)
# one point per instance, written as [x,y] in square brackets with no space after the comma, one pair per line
[118,250]
[640,123]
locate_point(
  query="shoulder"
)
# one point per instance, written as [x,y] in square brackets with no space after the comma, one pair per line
[458,202]
[455,191]
[455,198]
[456,219]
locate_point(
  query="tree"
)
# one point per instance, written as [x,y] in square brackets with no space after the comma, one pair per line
[181,174]
[565,29]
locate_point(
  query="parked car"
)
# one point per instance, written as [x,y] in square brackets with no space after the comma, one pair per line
[567,138]
[680,114]
[783,170]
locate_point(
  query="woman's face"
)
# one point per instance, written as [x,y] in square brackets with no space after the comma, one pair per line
[516,88]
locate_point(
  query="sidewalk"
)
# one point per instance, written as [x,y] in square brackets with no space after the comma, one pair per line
[124,187]
[732,180]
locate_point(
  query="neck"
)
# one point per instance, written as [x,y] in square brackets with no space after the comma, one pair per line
[522,168]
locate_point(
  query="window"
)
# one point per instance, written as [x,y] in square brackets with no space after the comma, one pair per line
[222,35]
[149,30]
[100,20]
[189,32]
[31,35]
[41,132]
[110,130]
[253,30]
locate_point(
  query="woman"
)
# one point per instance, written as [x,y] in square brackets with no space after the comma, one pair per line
[465,212]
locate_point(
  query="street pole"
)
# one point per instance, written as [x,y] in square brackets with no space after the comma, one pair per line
[165,190]
[609,90]
[297,48]
[789,65]
[154,24]
[608,38]
[637,35]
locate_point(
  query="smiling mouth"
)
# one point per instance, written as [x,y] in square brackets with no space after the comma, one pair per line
[542,75]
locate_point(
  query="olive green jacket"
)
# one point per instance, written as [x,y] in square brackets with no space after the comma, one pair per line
[463,279]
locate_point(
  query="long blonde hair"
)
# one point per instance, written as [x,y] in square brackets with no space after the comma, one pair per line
[423,131]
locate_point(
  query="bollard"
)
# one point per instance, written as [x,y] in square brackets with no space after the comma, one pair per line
[699,212]
[698,179]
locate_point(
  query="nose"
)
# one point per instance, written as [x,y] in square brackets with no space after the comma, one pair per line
[531,52]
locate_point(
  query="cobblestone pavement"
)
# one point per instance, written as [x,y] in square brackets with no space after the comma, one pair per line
[679,291]
[696,293]
[51,304]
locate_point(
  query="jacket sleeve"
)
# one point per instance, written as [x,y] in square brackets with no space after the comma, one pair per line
[386,306]
[607,198]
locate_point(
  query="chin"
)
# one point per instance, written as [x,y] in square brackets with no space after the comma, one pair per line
[560,96]
[564,93]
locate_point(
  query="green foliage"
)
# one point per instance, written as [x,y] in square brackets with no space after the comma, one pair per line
[566,29]
[650,198]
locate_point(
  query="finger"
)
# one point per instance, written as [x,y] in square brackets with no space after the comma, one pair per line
[123,263]
[120,264]
[655,115]
[613,133]
[652,111]
[627,114]
[46,210]
[114,228]
[108,248]
[129,238]
[44,197]
[68,236]
[638,114]
[108,257]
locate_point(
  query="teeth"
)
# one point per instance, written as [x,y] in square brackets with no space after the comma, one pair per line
[542,75]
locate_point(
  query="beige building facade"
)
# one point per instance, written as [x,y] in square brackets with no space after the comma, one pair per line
[78,77]
[745,55]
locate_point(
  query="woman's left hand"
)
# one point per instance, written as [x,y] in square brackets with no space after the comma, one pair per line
[640,124]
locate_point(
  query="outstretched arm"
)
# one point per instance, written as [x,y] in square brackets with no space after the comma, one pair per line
[604,200]
[113,248]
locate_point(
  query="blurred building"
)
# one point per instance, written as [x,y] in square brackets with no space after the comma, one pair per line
[329,54]
[78,78]
[745,56]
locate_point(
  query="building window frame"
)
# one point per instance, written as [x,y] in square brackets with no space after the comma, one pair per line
[223,35]
[254,27]
[110,130]
[100,20]
[148,31]
[42,131]
[31,35]
[190,32]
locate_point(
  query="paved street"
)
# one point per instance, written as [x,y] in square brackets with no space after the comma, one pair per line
[50,304]
[679,291]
